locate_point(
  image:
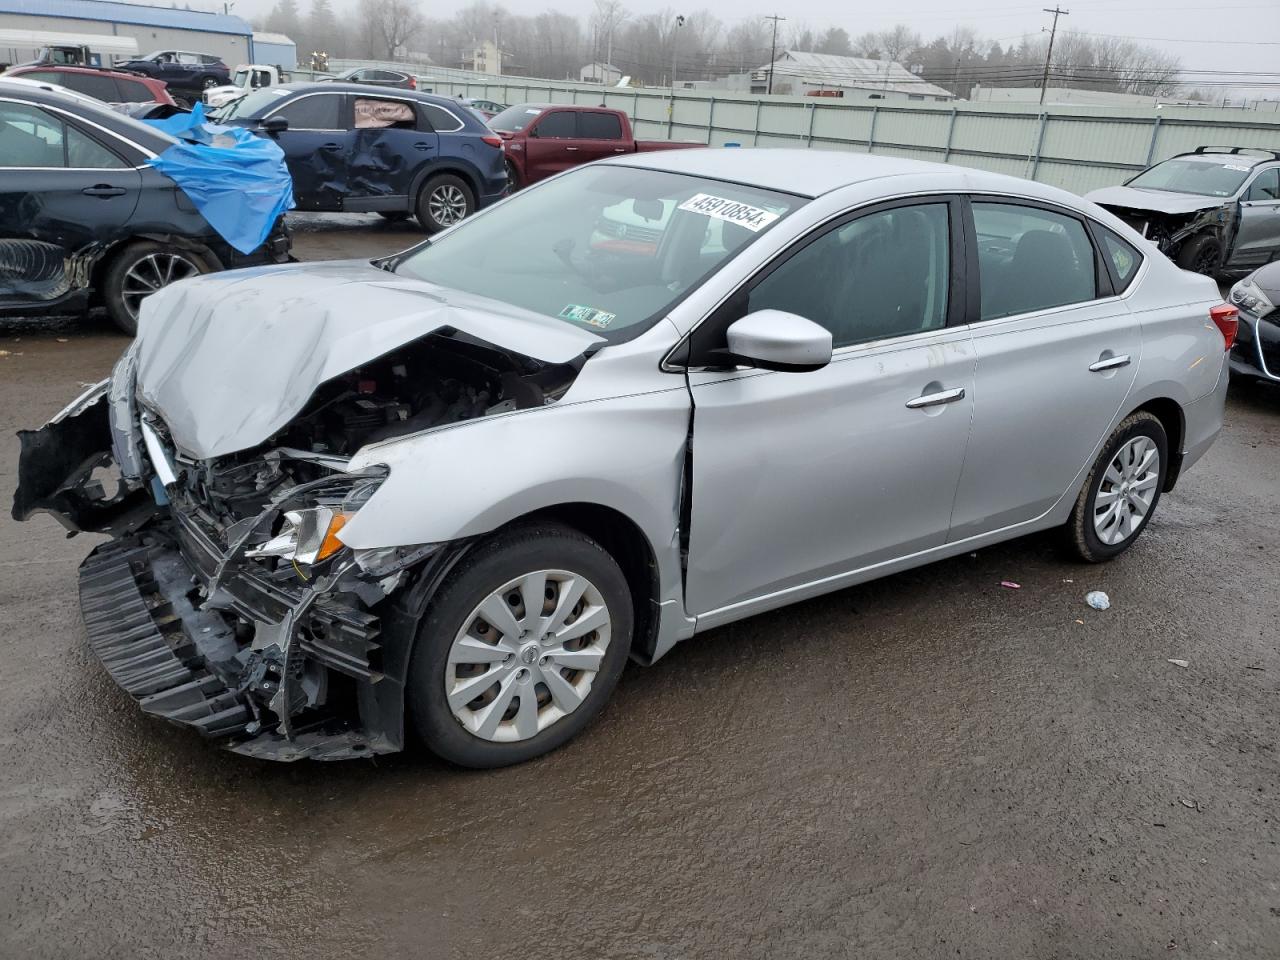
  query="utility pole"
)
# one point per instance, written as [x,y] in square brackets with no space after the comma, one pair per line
[675,51]
[1044,81]
[773,48]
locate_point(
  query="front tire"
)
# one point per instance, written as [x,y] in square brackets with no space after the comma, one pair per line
[443,201]
[520,648]
[1122,490]
[1201,254]
[138,271]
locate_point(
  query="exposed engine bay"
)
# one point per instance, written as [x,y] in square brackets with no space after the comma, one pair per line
[227,600]
[1170,231]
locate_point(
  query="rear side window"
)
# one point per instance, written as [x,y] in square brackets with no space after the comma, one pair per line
[29,137]
[561,125]
[599,126]
[1031,259]
[92,85]
[1125,260]
[374,113]
[441,120]
[86,153]
[131,91]
[316,112]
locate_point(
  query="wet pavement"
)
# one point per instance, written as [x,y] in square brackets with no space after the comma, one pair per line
[927,766]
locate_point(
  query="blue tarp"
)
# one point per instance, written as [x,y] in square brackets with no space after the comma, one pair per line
[238,182]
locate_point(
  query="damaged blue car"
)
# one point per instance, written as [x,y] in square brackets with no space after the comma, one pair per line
[356,148]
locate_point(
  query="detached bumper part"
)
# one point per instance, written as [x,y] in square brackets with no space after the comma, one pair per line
[183,661]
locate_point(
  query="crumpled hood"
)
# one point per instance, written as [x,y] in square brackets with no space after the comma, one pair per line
[229,359]
[1158,201]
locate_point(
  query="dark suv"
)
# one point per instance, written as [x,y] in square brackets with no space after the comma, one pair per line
[378,150]
[185,72]
[84,220]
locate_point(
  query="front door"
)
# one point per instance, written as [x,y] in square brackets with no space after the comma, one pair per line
[1056,358]
[316,147]
[805,477]
[61,192]
[1258,235]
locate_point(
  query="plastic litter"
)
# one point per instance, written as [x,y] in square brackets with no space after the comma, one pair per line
[238,181]
[1180,663]
[1098,600]
[1010,584]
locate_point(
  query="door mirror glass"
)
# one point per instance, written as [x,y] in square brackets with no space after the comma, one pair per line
[275,124]
[777,340]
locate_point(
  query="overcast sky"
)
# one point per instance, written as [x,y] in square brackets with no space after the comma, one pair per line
[1183,27]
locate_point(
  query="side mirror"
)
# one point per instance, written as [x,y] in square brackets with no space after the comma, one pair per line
[275,125]
[777,340]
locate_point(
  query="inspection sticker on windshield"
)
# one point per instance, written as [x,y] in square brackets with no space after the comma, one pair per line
[597,318]
[730,211]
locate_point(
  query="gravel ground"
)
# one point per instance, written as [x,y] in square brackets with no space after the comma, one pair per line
[926,766]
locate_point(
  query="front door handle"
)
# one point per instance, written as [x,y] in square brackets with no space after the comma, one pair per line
[619,149]
[1109,363]
[331,147]
[933,399]
[104,190]
[571,149]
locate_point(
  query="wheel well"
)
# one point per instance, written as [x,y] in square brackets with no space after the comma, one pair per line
[459,172]
[1170,416]
[98,272]
[627,544]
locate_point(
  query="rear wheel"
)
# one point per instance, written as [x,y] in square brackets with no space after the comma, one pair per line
[138,271]
[1200,254]
[513,177]
[1122,490]
[520,648]
[443,201]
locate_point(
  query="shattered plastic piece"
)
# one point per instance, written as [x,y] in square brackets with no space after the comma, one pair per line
[1180,663]
[1098,600]
[1010,584]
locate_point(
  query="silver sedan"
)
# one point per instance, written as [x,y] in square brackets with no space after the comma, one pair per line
[452,492]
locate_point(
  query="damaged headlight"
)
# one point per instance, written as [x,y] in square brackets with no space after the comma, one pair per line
[307,537]
[383,561]
[1247,295]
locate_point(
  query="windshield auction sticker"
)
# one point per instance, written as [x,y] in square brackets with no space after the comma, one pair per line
[730,211]
[589,315]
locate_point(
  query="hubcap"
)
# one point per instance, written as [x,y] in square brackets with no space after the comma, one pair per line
[149,274]
[447,204]
[527,655]
[1127,490]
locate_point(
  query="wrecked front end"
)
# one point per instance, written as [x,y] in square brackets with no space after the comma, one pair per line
[225,599]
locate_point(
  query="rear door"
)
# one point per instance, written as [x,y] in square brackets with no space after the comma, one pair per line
[600,135]
[62,191]
[1258,236]
[552,145]
[1057,352]
[391,140]
[316,147]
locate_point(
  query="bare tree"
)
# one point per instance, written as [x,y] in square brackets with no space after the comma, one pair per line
[899,43]
[390,25]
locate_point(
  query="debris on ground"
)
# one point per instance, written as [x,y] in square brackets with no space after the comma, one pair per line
[1010,584]
[1179,663]
[1190,804]
[1098,600]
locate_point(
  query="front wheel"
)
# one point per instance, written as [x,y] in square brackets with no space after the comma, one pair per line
[1122,490]
[443,201]
[520,648]
[138,271]
[1200,254]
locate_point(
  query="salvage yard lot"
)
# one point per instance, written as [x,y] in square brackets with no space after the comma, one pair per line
[930,765]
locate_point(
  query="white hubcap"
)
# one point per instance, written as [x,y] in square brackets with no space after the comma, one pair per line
[527,655]
[1127,490]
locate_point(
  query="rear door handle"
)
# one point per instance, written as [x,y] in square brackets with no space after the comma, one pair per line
[104,190]
[331,147]
[422,145]
[619,149]
[1109,363]
[571,149]
[933,399]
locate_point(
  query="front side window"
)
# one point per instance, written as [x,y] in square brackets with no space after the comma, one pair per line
[607,249]
[1209,178]
[315,112]
[1031,259]
[599,126]
[92,85]
[558,125]
[1266,187]
[29,137]
[886,274]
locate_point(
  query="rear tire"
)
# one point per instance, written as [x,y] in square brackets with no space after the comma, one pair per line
[443,201]
[1201,254]
[459,642]
[1122,490]
[139,270]
[513,177]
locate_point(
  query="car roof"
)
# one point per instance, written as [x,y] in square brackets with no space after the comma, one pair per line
[87,108]
[811,173]
[368,89]
[1222,156]
[67,68]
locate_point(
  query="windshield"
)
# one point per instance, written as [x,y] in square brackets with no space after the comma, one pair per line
[241,79]
[609,249]
[515,118]
[1202,177]
[254,103]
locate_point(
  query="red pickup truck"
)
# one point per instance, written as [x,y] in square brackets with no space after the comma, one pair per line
[541,139]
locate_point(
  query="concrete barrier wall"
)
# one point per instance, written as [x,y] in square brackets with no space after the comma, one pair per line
[1079,148]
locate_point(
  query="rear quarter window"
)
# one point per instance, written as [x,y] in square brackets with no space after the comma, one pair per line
[441,120]
[1124,259]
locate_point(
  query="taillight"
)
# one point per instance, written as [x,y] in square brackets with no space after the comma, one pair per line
[1227,318]
[493,141]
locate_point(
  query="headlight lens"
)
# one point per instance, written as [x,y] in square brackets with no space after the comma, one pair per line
[1247,295]
[308,536]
